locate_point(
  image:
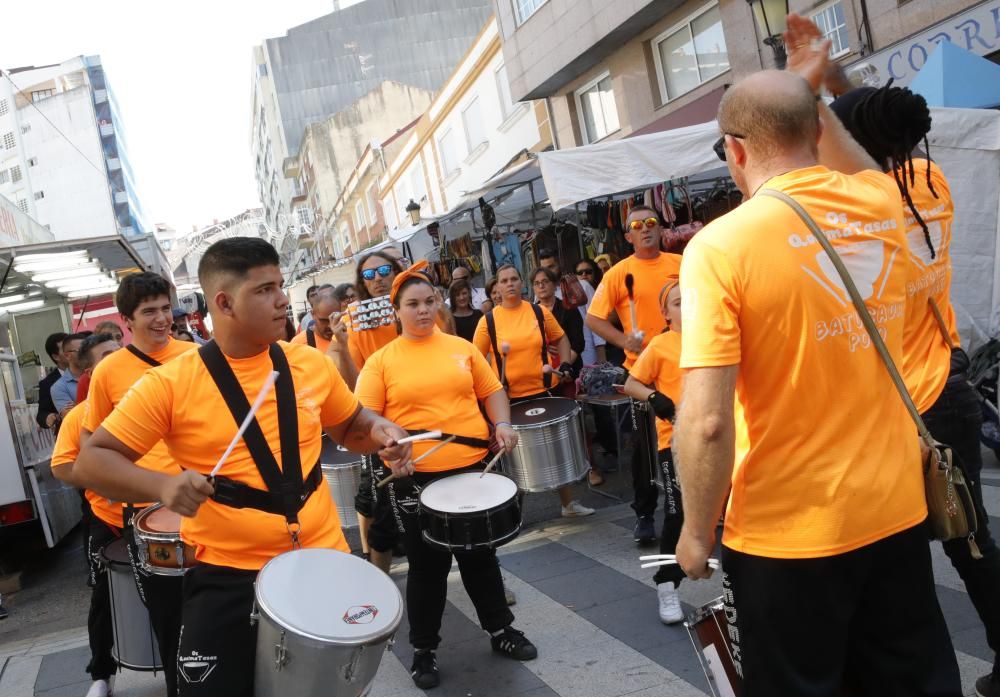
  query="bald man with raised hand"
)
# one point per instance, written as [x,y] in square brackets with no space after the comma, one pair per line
[827,570]
[329,333]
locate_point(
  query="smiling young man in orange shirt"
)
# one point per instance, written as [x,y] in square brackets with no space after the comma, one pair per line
[825,522]
[648,268]
[184,404]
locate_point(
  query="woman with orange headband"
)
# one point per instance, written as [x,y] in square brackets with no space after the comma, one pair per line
[431,381]
[656,378]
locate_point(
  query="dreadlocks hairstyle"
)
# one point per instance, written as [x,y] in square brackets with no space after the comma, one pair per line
[889,122]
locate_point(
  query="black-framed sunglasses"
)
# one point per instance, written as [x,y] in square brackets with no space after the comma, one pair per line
[384,270]
[720,145]
[584,272]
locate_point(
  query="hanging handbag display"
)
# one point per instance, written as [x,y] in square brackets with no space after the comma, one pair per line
[951,513]
[573,294]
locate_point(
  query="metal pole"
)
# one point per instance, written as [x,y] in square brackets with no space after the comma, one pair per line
[531,191]
[579,229]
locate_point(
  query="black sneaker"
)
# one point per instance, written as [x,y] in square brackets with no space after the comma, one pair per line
[512,643]
[425,670]
[645,530]
[988,686]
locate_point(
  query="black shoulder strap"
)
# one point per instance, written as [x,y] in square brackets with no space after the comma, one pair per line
[142,356]
[540,318]
[311,337]
[491,328]
[285,482]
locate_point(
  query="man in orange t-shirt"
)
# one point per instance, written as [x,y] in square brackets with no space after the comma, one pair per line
[826,515]
[143,301]
[646,270]
[184,404]
[329,334]
[102,525]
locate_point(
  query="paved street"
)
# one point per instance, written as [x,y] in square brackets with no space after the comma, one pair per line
[582,598]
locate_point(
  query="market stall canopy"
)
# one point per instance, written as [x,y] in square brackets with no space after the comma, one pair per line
[602,169]
[69,269]
[954,77]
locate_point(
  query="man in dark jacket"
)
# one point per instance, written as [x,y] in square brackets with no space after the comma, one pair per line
[48,415]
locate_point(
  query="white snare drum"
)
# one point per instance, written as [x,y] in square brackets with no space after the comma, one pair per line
[135,644]
[551,451]
[470,511]
[342,472]
[324,619]
[158,542]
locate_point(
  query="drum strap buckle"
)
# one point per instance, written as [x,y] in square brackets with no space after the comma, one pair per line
[293,528]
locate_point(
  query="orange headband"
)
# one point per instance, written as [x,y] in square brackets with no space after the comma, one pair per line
[417,270]
[672,280]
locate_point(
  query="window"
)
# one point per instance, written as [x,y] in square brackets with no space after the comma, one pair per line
[359,216]
[22,203]
[525,8]
[39,95]
[8,140]
[596,109]
[4,107]
[448,148]
[691,54]
[834,27]
[25,128]
[304,215]
[372,208]
[39,195]
[15,173]
[472,119]
[391,219]
[4,176]
[32,161]
[418,187]
[503,89]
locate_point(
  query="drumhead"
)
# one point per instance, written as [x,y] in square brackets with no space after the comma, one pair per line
[329,596]
[160,519]
[536,412]
[116,552]
[336,455]
[467,493]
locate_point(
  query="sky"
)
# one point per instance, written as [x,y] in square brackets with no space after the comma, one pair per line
[181,72]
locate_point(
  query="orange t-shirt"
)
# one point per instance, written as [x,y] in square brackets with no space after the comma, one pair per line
[65,452]
[180,404]
[649,276]
[364,343]
[519,328]
[321,343]
[112,379]
[827,458]
[659,365]
[431,384]
[926,354]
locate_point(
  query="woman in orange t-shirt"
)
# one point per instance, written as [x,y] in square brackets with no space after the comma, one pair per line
[524,376]
[429,380]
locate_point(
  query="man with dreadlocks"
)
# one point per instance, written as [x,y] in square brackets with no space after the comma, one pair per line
[889,123]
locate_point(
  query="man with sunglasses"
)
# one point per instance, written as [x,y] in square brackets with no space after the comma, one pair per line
[646,271]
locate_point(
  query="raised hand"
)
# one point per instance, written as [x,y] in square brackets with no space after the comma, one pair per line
[808,52]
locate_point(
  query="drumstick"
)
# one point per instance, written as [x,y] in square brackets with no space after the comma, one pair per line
[504,350]
[492,462]
[268,384]
[665,559]
[548,369]
[436,447]
[430,435]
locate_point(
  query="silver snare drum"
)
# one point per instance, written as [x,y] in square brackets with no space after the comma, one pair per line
[324,619]
[135,644]
[551,451]
[342,472]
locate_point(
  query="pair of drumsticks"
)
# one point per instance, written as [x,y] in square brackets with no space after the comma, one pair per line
[431,435]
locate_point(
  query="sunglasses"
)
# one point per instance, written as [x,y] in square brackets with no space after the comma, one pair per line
[384,270]
[584,272]
[720,145]
[648,223]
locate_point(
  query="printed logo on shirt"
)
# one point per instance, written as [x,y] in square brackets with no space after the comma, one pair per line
[360,614]
[919,251]
[864,261]
[196,668]
[463,361]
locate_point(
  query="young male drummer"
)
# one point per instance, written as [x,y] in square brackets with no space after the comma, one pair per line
[185,404]
[143,300]
[429,380]
[648,268]
[103,525]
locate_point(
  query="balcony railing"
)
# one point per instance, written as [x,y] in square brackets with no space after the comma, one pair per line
[100,96]
[107,129]
[114,164]
[121,197]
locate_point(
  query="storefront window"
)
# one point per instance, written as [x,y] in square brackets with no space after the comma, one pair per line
[693,53]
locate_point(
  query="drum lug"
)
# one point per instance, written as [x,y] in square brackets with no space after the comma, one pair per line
[254,616]
[280,653]
[350,671]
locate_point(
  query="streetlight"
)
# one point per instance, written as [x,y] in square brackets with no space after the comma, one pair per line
[772,17]
[413,208]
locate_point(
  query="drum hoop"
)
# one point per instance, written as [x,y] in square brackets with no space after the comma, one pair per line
[146,533]
[556,420]
[706,611]
[479,545]
[327,466]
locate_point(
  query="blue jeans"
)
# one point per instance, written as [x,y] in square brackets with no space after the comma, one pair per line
[955,419]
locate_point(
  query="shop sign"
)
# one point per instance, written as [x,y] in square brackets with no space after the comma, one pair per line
[17,228]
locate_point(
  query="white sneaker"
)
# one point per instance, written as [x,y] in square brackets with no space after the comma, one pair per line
[102,688]
[574,509]
[670,603]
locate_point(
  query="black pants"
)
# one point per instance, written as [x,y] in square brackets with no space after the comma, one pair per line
[218,644]
[644,466]
[364,499]
[673,519]
[867,620]
[427,579]
[162,596]
[386,528]
[99,628]
[955,419]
